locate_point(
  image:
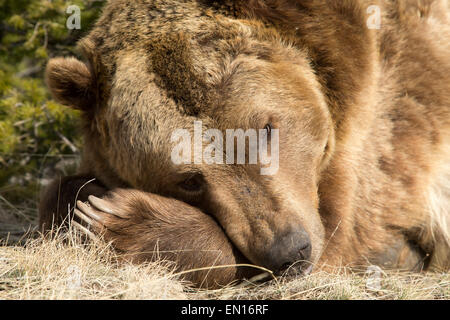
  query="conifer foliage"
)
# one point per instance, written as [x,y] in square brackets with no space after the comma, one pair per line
[36,133]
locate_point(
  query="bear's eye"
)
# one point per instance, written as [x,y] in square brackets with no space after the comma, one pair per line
[193,184]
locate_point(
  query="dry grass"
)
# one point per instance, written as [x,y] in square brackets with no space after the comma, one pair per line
[65,269]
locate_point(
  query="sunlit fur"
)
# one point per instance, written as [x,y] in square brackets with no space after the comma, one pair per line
[364,118]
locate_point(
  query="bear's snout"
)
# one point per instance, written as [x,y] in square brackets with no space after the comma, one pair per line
[290,252]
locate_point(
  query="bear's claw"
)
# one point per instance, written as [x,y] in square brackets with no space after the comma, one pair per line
[91,217]
[88,212]
[84,230]
[101,205]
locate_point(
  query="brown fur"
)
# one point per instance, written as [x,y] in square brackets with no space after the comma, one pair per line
[60,197]
[150,228]
[364,119]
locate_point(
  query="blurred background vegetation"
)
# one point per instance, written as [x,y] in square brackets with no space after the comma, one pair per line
[38,137]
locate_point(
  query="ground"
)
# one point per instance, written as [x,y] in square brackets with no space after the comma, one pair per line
[34,268]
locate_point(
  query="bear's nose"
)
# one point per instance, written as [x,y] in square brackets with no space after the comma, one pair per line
[291,250]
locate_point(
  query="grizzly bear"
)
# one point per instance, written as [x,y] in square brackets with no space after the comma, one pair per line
[358,92]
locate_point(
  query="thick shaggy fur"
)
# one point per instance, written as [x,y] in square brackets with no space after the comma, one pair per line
[364,119]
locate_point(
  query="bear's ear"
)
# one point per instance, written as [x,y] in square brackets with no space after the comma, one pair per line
[71,82]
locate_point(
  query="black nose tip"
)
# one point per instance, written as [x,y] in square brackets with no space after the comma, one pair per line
[300,263]
[292,249]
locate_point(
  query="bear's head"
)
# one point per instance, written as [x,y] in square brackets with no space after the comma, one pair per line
[158,72]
